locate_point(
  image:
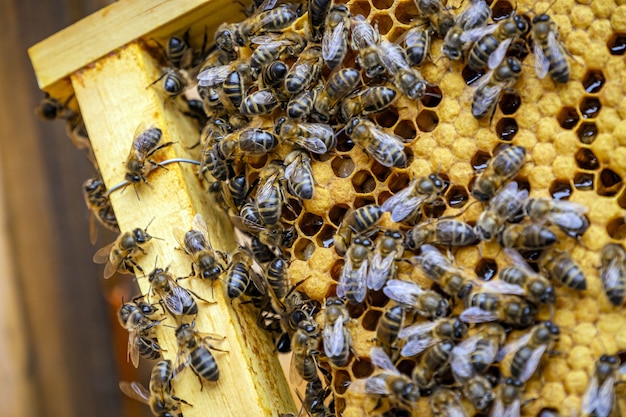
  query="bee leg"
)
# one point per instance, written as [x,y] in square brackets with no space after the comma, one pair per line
[200,298]
[180,400]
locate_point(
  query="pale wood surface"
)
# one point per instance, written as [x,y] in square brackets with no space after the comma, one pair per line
[114,100]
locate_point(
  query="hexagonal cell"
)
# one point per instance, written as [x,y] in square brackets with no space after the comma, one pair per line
[321,157]
[560,189]
[387,118]
[583,181]
[568,117]
[363,201]
[436,209]
[370,320]
[382,4]
[325,237]
[361,7]
[363,182]
[382,197]
[344,142]
[480,160]
[457,196]
[519,48]
[335,270]
[356,310]
[397,181]
[310,224]
[506,128]
[510,102]
[406,130]
[341,381]
[470,76]
[590,107]
[610,183]
[378,298]
[384,23]
[336,213]
[303,249]
[406,12]
[343,166]
[427,120]
[381,172]
[616,228]
[593,81]
[587,132]
[257,162]
[486,269]
[432,97]
[362,368]
[586,159]
[617,44]
[621,200]
[409,156]
[501,9]
[292,210]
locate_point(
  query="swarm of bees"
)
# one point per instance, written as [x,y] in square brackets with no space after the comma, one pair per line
[296,82]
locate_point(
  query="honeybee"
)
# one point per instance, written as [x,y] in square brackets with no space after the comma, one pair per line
[236,191]
[417,44]
[239,273]
[421,336]
[446,232]
[440,18]
[318,138]
[175,82]
[446,403]
[176,299]
[260,102]
[386,148]
[390,382]
[305,71]
[526,236]
[520,279]
[145,143]
[273,46]
[491,87]
[474,16]
[304,344]
[314,397]
[406,79]
[300,105]
[452,280]
[426,302]
[353,279]
[196,243]
[277,277]
[486,306]
[159,397]
[273,75]
[505,164]
[599,398]
[216,75]
[388,328]
[549,51]
[433,362]
[477,353]
[339,84]
[493,41]
[335,334]
[99,206]
[252,141]
[367,101]
[405,205]
[195,351]
[559,266]
[502,207]
[365,39]
[613,272]
[388,251]
[317,12]
[178,52]
[524,354]
[508,400]
[335,38]
[136,317]
[478,391]
[567,215]
[121,255]
[358,221]
[270,195]
[261,252]
[299,176]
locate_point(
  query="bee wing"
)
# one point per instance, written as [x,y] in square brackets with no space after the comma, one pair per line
[376,385]
[392,56]
[478,315]
[403,292]
[200,225]
[263,97]
[380,359]
[473,35]
[497,409]
[417,329]
[267,39]
[174,302]
[183,359]
[110,268]
[606,395]
[315,133]
[542,63]
[473,16]
[133,350]
[379,269]
[533,362]
[568,220]
[213,76]
[331,42]
[513,346]
[380,147]
[460,358]
[179,235]
[361,278]
[343,278]
[102,255]
[333,338]
[498,55]
[416,346]
[516,259]
[403,203]
[503,287]
[590,398]
[569,206]
[136,391]
[513,409]
[363,34]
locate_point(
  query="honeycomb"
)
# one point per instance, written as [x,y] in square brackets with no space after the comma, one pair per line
[575,137]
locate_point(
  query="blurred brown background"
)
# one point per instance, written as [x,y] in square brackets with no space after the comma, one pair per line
[62,351]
